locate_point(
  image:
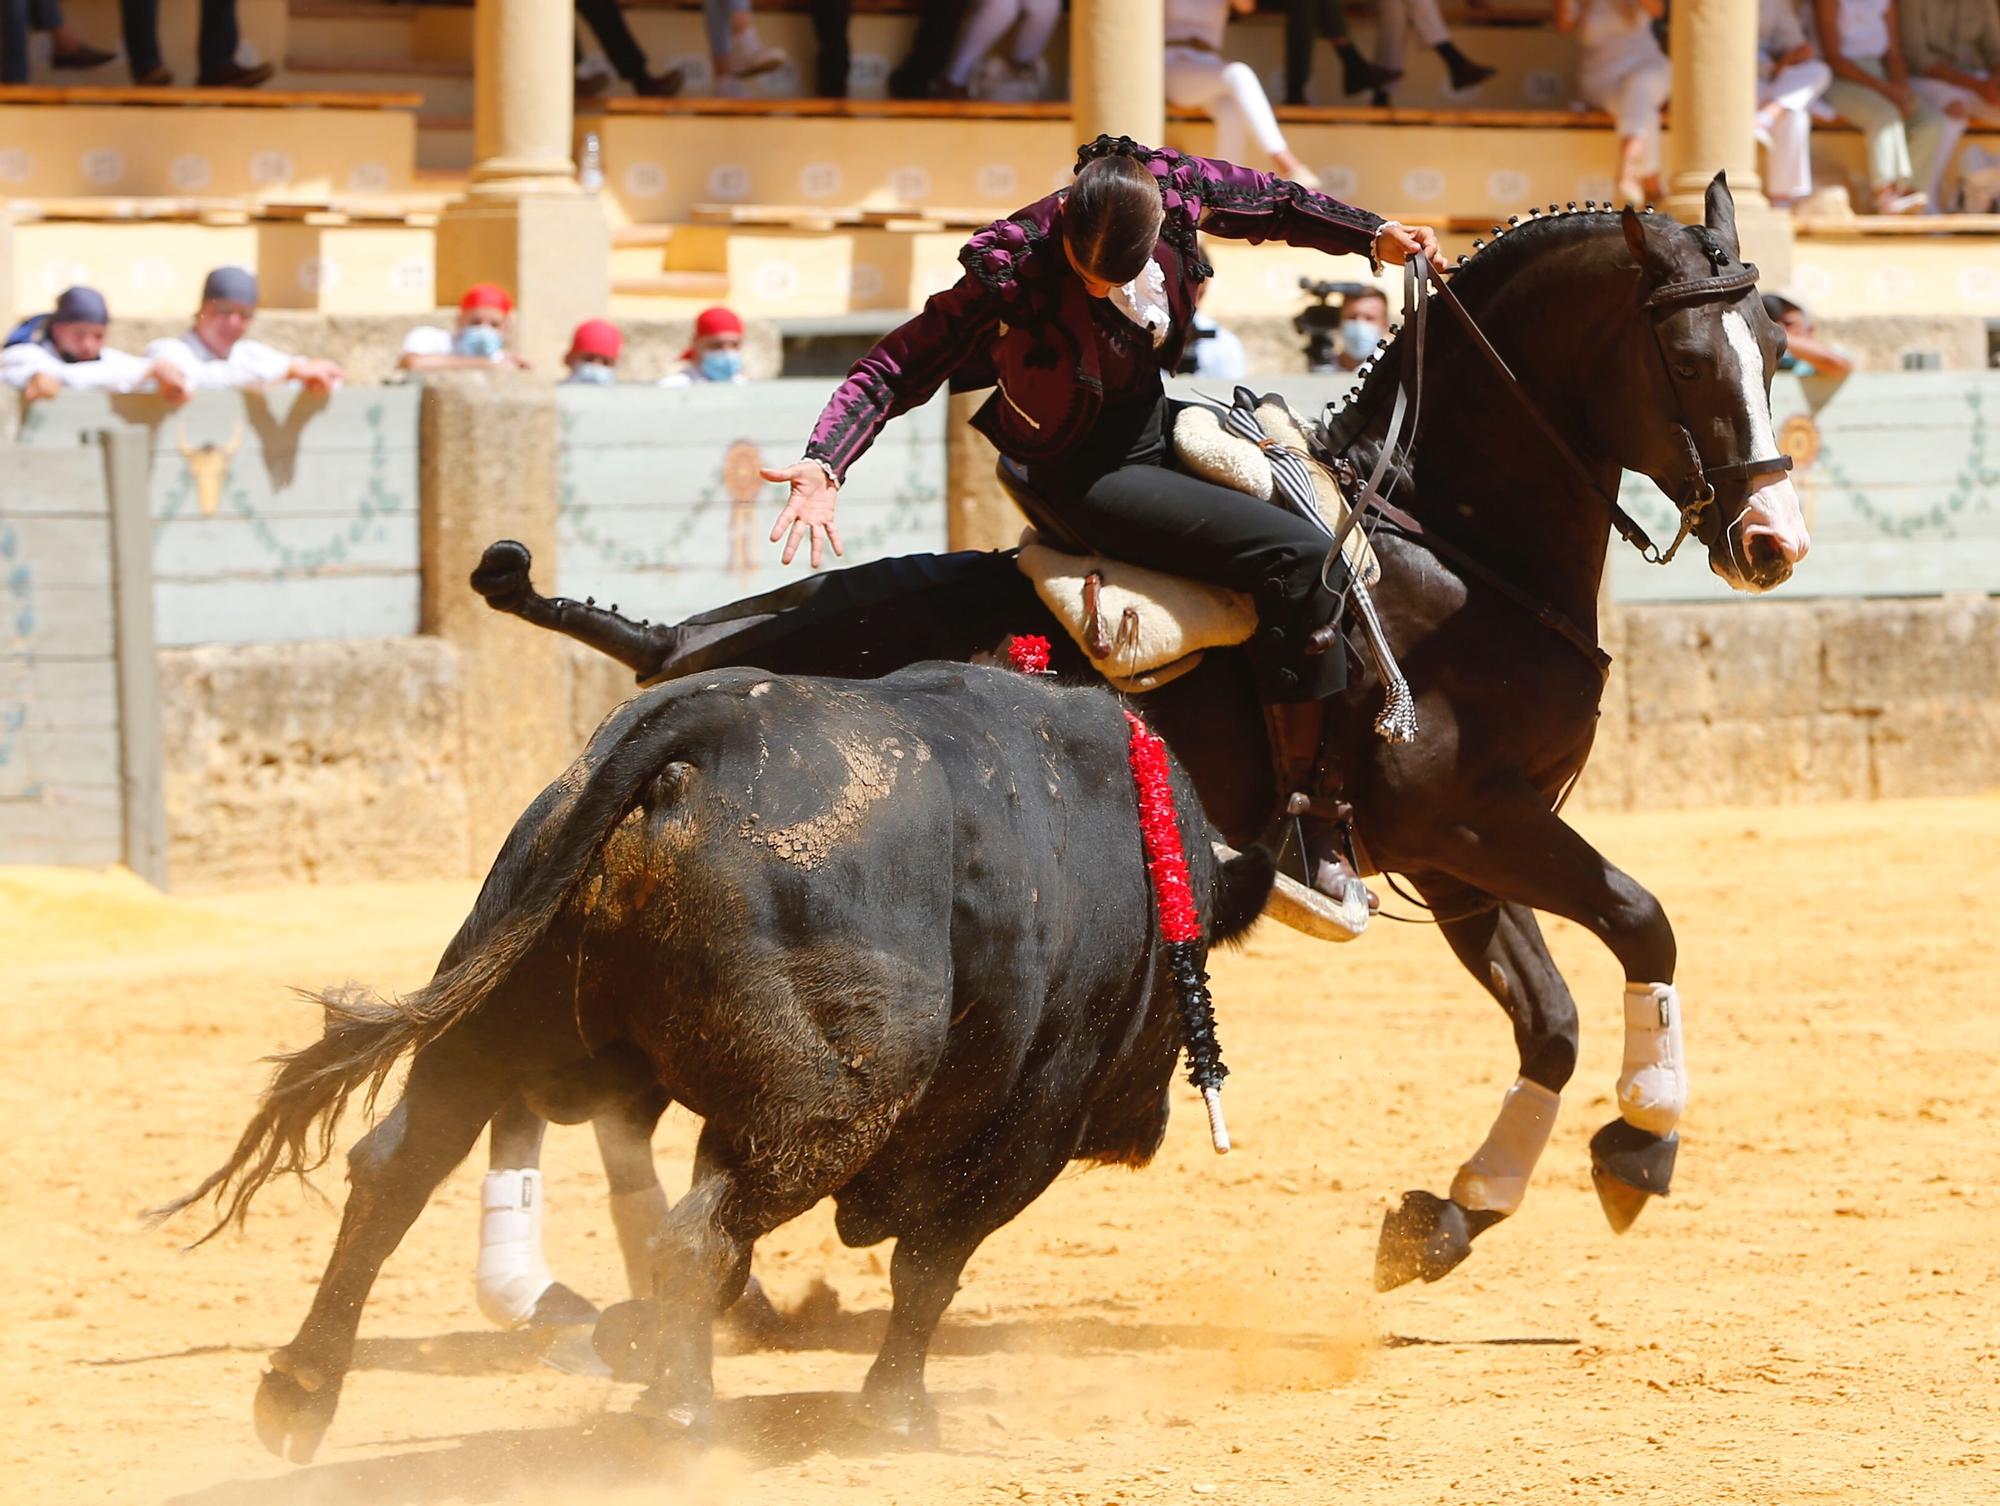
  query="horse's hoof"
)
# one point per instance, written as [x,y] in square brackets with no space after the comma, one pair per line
[502,574]
[1425,1236]
[907,1420]
[559,1307]
[1629,1167]
[628,1339]
[671,1413]
[290,1419]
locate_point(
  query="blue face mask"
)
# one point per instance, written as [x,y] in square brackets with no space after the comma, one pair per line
[721,365]
[593,373]
[1358,338]
[480,341]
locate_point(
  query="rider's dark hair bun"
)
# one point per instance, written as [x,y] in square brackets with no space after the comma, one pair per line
[1112,216]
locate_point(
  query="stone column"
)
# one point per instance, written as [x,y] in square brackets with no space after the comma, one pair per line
[523,222]
[488,471]
[1117,69]
[1713,44]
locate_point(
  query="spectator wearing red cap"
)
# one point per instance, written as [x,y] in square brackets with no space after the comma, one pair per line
[715,354]
[478,343]
[593,354]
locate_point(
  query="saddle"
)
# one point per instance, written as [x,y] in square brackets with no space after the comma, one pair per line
[1141,628]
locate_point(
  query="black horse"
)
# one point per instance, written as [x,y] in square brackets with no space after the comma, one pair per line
[1634,342]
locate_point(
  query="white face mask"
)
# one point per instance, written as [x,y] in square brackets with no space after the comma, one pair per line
[1358,338]
[593,373]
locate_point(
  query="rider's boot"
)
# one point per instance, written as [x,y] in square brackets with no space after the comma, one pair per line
[1297,730]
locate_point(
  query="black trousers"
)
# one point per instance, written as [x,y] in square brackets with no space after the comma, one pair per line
[1306,21]
[216,47]
[621,48]
[1124,499]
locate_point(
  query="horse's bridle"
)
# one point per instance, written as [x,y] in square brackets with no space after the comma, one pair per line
[1698,496]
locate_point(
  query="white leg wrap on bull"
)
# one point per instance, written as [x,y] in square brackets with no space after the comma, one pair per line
[512,1273]
[1495,1180]
[637,1217]
[1653,1088]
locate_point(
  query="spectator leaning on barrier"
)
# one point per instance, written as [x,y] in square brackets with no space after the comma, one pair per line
[1790,76]
[1953,51]
[478,342]
[1625,72]
[1806,354]
[1871,88]
[215,353]
[714,354]
[65,348]
[593,354]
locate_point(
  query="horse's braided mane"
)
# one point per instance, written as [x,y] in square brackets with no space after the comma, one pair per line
[1340,430]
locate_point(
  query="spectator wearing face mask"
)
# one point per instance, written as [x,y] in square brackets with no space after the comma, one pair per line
[216,353]
[478,342]
[1364,321]
[1806,354]
[593,354]
[715,354]
[65,348]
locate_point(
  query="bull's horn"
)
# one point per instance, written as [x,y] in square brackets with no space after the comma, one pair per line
[235,438]
[181,438]
[1293,904]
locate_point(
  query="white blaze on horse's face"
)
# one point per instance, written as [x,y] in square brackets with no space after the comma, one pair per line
[1772,522]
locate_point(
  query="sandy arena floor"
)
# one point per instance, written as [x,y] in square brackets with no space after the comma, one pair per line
[1811,1317]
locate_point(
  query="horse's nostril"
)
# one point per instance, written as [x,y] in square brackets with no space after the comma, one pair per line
[1766,554]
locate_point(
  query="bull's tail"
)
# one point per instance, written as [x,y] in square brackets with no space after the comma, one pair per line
[364,1036]
[1242,888]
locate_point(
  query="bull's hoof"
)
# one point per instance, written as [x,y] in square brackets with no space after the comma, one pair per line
[559,1307]
[906,1417]
[1629,1167]
[1426,1236]
[628,1339]
[502,574]
[291,1420]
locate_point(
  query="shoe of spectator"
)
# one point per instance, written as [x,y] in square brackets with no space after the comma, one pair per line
[1379,99]
[1891,200]
[659,85]
[944,88]
[1358,73]
[1015,83]
[750,55]
[78,59]
[234,76]
[1463,72]
[591,83]
[154,78]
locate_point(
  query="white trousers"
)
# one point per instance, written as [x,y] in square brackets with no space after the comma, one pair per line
[1941,95]
[1788,162]
[1630,78]
[1393,18]
[990,20]
[1232,96]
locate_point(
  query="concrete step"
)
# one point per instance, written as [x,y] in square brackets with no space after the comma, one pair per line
[352,34]
[446,86]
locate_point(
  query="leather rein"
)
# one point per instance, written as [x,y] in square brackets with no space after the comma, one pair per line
[1418,277]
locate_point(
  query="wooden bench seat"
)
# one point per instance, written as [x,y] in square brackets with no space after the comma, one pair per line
[256,99]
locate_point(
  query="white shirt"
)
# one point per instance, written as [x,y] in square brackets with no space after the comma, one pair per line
[112,371]
[1197,21]
[1603,24]
[1218,354]
[427,340]
[250,363]
[1864,28]
[1143,300]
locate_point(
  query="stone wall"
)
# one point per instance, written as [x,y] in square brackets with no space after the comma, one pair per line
[1778,702]
[326,762]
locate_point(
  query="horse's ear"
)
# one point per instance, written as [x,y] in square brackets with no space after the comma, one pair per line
[1635,237]
[1719,214]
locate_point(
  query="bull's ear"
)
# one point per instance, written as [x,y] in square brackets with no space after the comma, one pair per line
[1719,214]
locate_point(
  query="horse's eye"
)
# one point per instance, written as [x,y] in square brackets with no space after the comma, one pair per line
[1684,371]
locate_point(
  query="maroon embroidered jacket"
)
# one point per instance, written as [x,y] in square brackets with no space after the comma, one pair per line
[1020,321]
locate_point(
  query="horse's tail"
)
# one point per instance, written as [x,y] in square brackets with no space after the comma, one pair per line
[363,1036]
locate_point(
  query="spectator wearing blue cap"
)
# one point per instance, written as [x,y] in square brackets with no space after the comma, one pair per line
[65,348]
[216,352]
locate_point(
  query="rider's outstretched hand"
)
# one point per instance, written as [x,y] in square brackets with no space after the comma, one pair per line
[808,510]
[1396,243]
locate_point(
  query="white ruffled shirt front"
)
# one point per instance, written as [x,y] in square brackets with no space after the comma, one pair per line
[1143,300]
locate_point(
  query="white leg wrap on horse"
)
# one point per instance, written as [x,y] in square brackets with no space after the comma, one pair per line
[1653,1088]
[1496,1178]
[637,1217]
[512,1273]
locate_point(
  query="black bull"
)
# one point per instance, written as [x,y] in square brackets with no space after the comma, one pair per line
[892,941]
